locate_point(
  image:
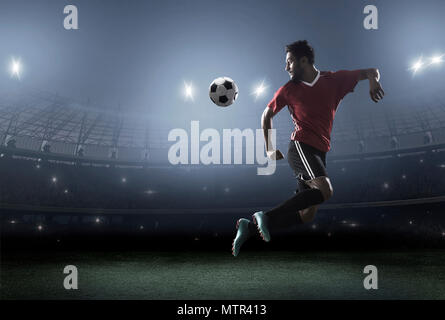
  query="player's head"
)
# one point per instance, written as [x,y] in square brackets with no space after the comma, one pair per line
[299,57]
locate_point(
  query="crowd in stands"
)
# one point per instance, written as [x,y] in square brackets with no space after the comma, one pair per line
[40,183]
[46,183]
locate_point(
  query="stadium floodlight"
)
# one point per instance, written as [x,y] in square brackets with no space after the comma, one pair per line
[436,59]
[420,63]
[16,68]
[417,65]
[259,90]
[188,91]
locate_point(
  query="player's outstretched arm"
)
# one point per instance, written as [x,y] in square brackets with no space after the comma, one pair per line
[266,124]
[375,88]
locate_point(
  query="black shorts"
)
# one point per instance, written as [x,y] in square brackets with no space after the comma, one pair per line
[306,160]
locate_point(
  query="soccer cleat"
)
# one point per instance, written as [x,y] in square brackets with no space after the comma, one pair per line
[242,225]
[261,221]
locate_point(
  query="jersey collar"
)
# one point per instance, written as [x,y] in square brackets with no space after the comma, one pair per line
[313,82]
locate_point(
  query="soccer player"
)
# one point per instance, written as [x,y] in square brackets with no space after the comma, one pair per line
[312,98]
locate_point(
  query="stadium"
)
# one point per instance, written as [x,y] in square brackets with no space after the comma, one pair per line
[87,182]
[53,196]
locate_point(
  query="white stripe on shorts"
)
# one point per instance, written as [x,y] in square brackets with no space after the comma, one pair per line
[304,160]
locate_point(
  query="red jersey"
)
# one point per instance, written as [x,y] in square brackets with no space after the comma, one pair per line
[312,106]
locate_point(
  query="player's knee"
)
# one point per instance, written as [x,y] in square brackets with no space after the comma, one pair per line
[324,185]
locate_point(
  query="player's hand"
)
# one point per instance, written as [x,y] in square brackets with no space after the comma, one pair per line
[375,90]
[275,154]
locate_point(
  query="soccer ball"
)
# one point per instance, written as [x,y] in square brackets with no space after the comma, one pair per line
[223,91]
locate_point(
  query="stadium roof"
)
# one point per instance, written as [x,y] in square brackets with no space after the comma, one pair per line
[47,116]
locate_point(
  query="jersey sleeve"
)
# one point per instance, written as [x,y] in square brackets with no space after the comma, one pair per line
[346,81]
[279,101]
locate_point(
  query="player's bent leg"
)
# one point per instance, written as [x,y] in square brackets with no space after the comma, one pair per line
[323,184]
[287,214]
[301,207]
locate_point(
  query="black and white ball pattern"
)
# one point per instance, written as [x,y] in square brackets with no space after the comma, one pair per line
[223,91]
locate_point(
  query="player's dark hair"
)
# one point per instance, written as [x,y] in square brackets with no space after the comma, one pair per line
[301,49]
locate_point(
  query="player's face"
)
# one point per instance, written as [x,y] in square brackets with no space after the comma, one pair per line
[293,67]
